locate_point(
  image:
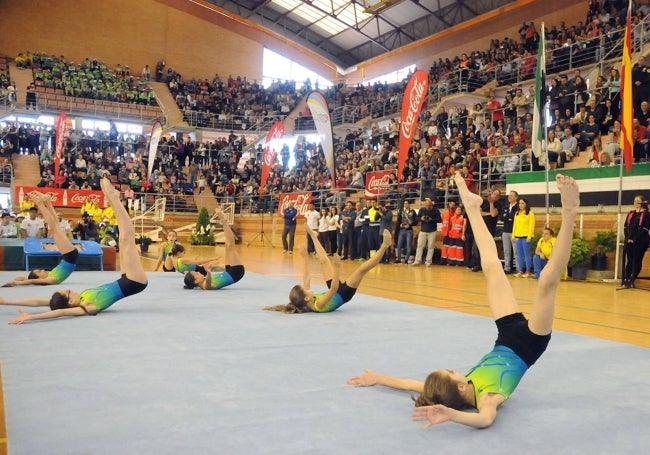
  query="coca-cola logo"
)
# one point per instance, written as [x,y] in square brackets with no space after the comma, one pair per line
[277,133]
[415,98]
[269,157]
[53,195]
[301,202]
[79,198]
[379,182]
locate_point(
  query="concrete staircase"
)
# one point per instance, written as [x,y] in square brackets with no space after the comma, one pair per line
[22,78]
[27,170]
[173,115]
[205,199]
[290,120]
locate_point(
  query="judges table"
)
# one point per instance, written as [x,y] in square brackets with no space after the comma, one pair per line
[11,254]
[42,254]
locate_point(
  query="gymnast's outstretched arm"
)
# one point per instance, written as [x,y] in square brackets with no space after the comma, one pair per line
[370,378]
[74,311]
[26,302]
[24,281]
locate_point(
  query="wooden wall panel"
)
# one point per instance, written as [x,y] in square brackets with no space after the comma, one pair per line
[128,32]
[199,42]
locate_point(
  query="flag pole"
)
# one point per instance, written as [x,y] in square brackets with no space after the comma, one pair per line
[618,219]
[547,196]
[544,110]
[627,119]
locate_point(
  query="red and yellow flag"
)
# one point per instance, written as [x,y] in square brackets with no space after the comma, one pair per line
[627,123]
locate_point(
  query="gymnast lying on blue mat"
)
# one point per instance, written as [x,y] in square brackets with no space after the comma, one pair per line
[445,394]
[95,300]
[69,253]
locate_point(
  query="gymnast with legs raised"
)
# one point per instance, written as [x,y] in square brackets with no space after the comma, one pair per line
[98,299]
[234,266]
[176,260]
[69,253]
[446,395]
[303,300]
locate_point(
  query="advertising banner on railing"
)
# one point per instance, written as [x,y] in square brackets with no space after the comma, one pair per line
[377,183]
[300,200]
[58,149]
[321,114]
[414,97]
[63,197]
[271,147]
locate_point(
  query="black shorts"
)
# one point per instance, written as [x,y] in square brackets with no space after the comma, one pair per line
[201,270]
[71,256]
[130,287]
[515,334]
[344,290]
[236,272]
[165,269]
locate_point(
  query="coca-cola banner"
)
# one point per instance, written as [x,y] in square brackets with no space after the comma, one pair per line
[414,96]
[271,147]
[58,147]
[301,201]
[63,197]
[377,183]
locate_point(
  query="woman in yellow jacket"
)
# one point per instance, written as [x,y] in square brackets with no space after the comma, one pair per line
[523,231]
[543,251]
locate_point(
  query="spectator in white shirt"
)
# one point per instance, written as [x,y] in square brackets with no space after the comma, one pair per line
[32,226]
[8,227]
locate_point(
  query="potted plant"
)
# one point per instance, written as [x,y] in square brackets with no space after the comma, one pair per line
[144,243]
[580,254]
[203,233]
[604,242]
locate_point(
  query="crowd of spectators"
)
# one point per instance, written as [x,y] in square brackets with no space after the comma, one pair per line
[91,79]
[485,141]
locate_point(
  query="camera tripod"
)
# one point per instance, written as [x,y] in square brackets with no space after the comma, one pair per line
[260,235]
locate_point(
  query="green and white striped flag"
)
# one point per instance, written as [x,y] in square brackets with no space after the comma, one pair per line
[540,96]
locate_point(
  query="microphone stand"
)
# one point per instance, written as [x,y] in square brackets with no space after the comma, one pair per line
[261,236]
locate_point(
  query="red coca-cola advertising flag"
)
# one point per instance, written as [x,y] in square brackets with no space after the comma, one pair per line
[377,183]
[58,149]
[64,197]
[414,96]
[300,200]
[271,147]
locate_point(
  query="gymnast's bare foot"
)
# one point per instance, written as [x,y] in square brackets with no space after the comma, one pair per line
[570,194]
[108,188]
[309,230]
[387,239]
[470,200]
[39,197]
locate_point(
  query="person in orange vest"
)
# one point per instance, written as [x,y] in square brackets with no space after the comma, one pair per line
[446,241]
[457,226]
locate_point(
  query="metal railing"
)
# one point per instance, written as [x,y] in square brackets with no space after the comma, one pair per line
[6,173]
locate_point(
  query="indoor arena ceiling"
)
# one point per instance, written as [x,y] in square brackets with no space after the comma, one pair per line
[349,32]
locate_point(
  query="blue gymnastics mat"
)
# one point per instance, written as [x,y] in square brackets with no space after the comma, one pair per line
[174,371]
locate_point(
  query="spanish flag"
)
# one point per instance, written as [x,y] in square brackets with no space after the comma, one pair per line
[627,125]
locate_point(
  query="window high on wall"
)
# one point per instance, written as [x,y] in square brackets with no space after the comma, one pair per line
[276,67]
[395,76]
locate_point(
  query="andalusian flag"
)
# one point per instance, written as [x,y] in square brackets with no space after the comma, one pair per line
[627,125]
[540,96]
